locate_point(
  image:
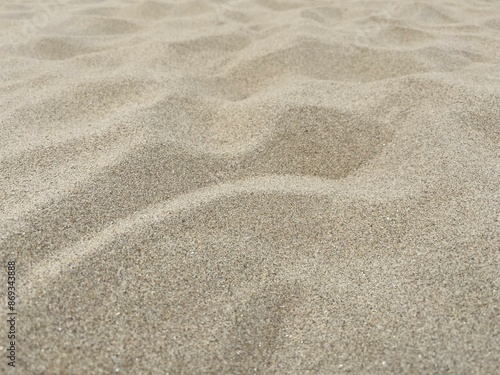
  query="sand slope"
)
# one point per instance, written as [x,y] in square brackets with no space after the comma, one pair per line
[249,186]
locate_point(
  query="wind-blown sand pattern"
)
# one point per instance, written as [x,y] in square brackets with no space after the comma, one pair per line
[252,186]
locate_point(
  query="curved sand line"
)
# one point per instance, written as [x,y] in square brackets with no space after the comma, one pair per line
[69,257]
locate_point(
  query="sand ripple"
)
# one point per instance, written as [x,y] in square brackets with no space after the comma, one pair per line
[243,186]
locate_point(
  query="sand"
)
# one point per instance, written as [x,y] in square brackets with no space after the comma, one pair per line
[251,186]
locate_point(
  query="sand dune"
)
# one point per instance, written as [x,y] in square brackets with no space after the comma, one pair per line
[243,186]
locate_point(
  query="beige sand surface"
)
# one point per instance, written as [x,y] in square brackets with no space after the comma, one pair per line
[251,186]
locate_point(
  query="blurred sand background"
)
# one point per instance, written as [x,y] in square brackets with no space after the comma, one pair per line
[252,186]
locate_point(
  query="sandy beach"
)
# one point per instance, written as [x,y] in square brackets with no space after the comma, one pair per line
[250,186]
